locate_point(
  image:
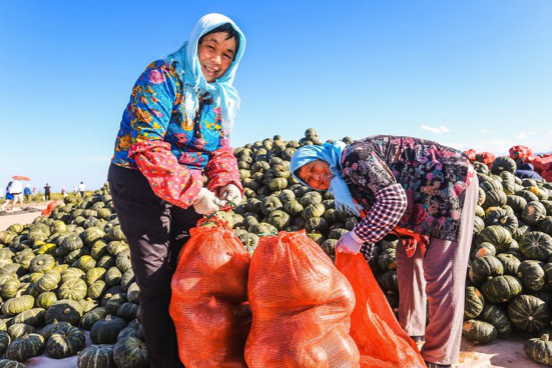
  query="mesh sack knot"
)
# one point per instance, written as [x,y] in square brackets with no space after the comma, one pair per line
[301,306]
[209,291]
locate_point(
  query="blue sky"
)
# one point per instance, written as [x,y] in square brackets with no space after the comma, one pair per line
[467,73]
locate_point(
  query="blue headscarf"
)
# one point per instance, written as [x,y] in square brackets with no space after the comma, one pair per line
[330,153]
[189,69]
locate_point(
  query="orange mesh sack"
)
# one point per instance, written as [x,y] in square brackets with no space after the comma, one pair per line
[301,306]
[209,289]
[380,339]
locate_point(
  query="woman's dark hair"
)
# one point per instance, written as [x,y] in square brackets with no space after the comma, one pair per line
[229,30]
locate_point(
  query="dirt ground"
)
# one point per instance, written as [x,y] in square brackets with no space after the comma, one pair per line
[500,354]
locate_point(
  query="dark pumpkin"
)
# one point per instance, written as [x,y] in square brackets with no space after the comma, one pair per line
[25,347]
[65,341]
[479,332]
[96,356]
[531,274]
[501,289]
[536,246]
[106,330]
[539,350]
[131,352]
[64,311]
[494,315]
[533,213]
[474,303]
[529,313]
[484,267]
[510,263]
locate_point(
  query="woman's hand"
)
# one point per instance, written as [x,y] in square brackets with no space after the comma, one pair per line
[207,203]
[230,193]
[349,243]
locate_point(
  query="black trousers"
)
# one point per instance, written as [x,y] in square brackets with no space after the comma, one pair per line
[156,231]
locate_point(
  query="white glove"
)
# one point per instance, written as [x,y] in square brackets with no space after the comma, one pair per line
[230,193]
[206,202]
[349,243]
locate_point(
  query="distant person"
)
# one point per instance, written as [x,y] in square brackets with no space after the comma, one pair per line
[47,190]
[27,192]
[74,190]
[16,189]
[63,191]
[1,194]
[34,190]
[527,170]
[9,197]
[81,189]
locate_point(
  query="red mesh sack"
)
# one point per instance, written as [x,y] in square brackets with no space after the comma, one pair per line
[209,289]
[301,307]
[471,154]
[380,339]
[520,152]
[543,163]
[485,157]
[49,208]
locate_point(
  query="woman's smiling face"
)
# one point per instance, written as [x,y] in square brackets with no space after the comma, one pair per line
[216,53]
[316,174]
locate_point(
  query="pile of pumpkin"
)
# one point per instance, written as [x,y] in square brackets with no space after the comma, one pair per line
[65,276]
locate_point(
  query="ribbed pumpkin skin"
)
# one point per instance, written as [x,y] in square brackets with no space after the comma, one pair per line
[34,317]
[45,300]
[494,315]
[85,263]
[536,246]
[91,317]
[313,211]
[10,287]
[107,329]
[532,274]
[501,289]
[25,347]
[74,289]
[64,311]
[517,203]
[18,305]
[51,328]
[71,273]
[484,267]
[539,350]
[94,274]
[7,363]
[96,356]
[510,263]
[499,236]
[484,249]
[49,281]
[130,352]
[474,303]
[42,263]
[128,311]
[529,313]
[65,342]
[479,332]
[478,225]
[5,340]
[495,198]
[503,163]
[501,217]
[387,260]
[113,276]
[533,213]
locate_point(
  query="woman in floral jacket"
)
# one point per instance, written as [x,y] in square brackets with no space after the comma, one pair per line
[423,192]
[174,131]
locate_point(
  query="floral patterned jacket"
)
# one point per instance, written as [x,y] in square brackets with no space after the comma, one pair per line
[433,176]
[173,153]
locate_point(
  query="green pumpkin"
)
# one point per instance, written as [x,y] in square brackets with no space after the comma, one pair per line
[85,263]
[123,261]
[495,198]
[72,242]
[387,260]
[533,213]
[529,313]
[311,198]
[91,317]
[106,330]
[65,342]
[389,281]
[96,356]
[19,329]
[51,328]
[98,249]
[501,288]
[484,267]
[9,288]
[92,234]
[478,225]
[130,352]
[18,305]
[503,163]
[531,274]
[279,219]
[5,340]
[96,289]
[484,249]
[42,263]
[106,262]
[94,275]
[128,277]
[316,225]
[479,332]
[133,293]
[113,276]
[545,225]
[7,363]
[48,281]
[474,303]
[45,300]
[128,311]
[33,317]
[498,236]
[71,273]
[527,195]
[494,315]
[277,184]
[73,256]
[501,217]
[517,203]
[539,349]
[536,245]
[74,289]
[64,311]
[286,196]
[116,234]
[510,263]
[25,347]
[479,212]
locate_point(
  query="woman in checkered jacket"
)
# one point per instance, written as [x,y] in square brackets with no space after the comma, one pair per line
[426,194]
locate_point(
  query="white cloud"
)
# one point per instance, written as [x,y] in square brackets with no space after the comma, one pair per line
[437,130]
[483,130]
